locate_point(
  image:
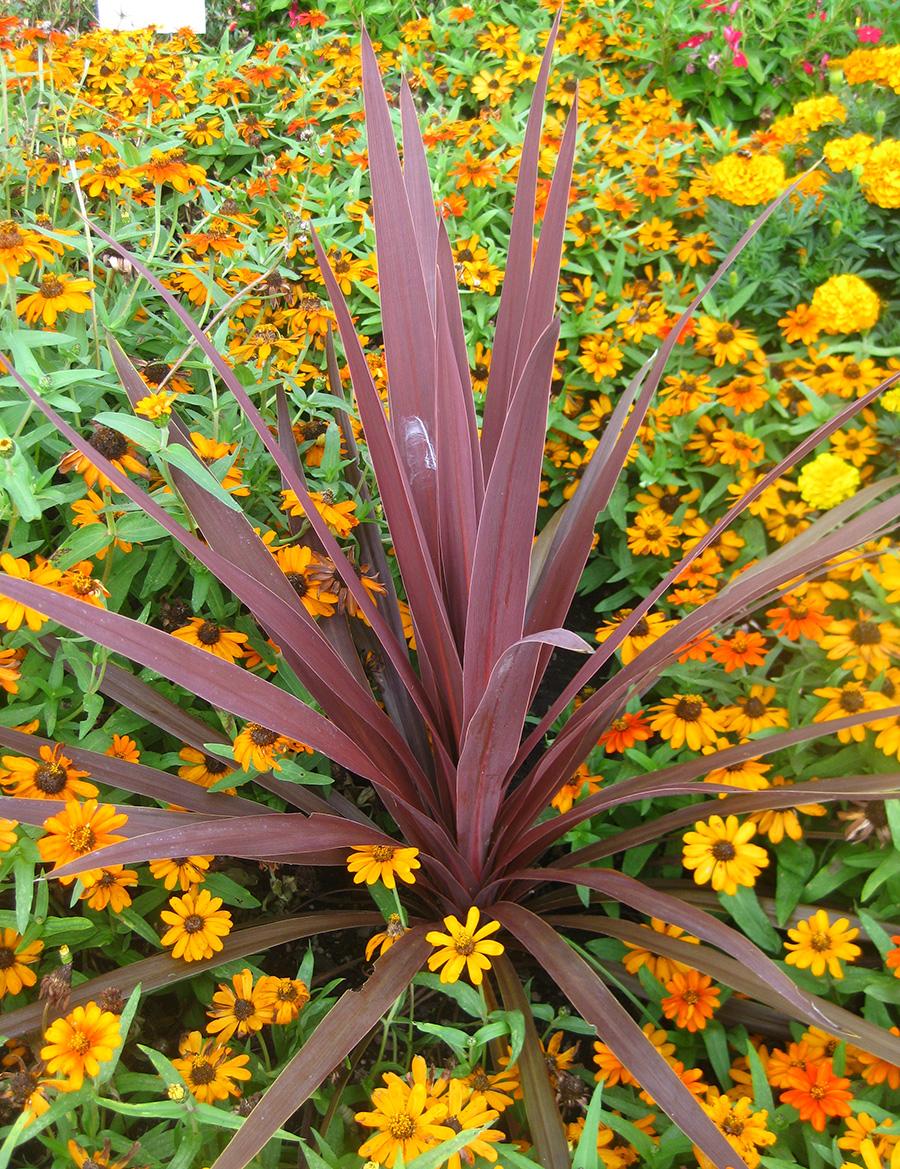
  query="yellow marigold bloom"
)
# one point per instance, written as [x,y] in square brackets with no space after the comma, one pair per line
[110,889]
[407,1120]
[383,862]
[880,178]
[845,304]
[744,1129]
[719,852]
[828,481]
[185,871]
[197,924]
[240,1009]
[686,718]
[209,1069]
[846,153]
[55,294]
[384,939]
[78,830]
[50,777]
[79,1043]
[724,341]
[818,945]
[15,960]
[464,947]
[747,182]
[14,613]
[286,997]
[109,178]
[662,968]
[210,636]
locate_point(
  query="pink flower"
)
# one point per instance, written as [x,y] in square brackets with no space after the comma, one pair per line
[807,68]
[732,37]
[696,40]
[869,34]
[739,60]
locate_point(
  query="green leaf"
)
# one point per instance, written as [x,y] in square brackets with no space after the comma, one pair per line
[746,910]
[140,430]
[888,868]
[465,996]
[230,891]
[125,1021]
[585,1156]
[440,1154]
[181,457]
[23,872]
[762,1093]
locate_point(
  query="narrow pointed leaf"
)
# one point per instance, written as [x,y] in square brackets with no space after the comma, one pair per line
[345,1025]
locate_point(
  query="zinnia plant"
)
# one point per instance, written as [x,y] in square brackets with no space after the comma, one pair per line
[446,735]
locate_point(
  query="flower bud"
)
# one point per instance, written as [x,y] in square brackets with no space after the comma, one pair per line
[7,448]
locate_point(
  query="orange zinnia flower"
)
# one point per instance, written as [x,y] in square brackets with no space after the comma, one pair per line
[692,999]
[818,1094]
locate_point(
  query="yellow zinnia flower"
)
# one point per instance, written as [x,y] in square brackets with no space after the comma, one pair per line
[818,945]
[464,947]
[197,924]
[719,852]
[55,294]
[79,1043]
[383,862]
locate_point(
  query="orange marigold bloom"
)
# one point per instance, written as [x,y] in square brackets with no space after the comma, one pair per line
[691,1001]
[818,1094]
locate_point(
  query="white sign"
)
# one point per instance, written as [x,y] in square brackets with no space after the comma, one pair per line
[166,15]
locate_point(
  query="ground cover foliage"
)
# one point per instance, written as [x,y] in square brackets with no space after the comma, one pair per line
[507,919]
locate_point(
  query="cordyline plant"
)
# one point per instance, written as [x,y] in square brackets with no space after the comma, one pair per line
[445,739]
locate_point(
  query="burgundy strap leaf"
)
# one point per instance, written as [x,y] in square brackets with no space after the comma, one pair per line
[271,836]
[499,589]
[418,192]
[283,620]
[841,1023]
[654,783]
[544,1122]
[407,320]
[437,651]
[544,285]
[140,820]
[517,278]
[453,311]
[654,903]
[135,777]
[457,509]
[224,685]
[493,735]
[596,1004]
[345,1025]
[162,970]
